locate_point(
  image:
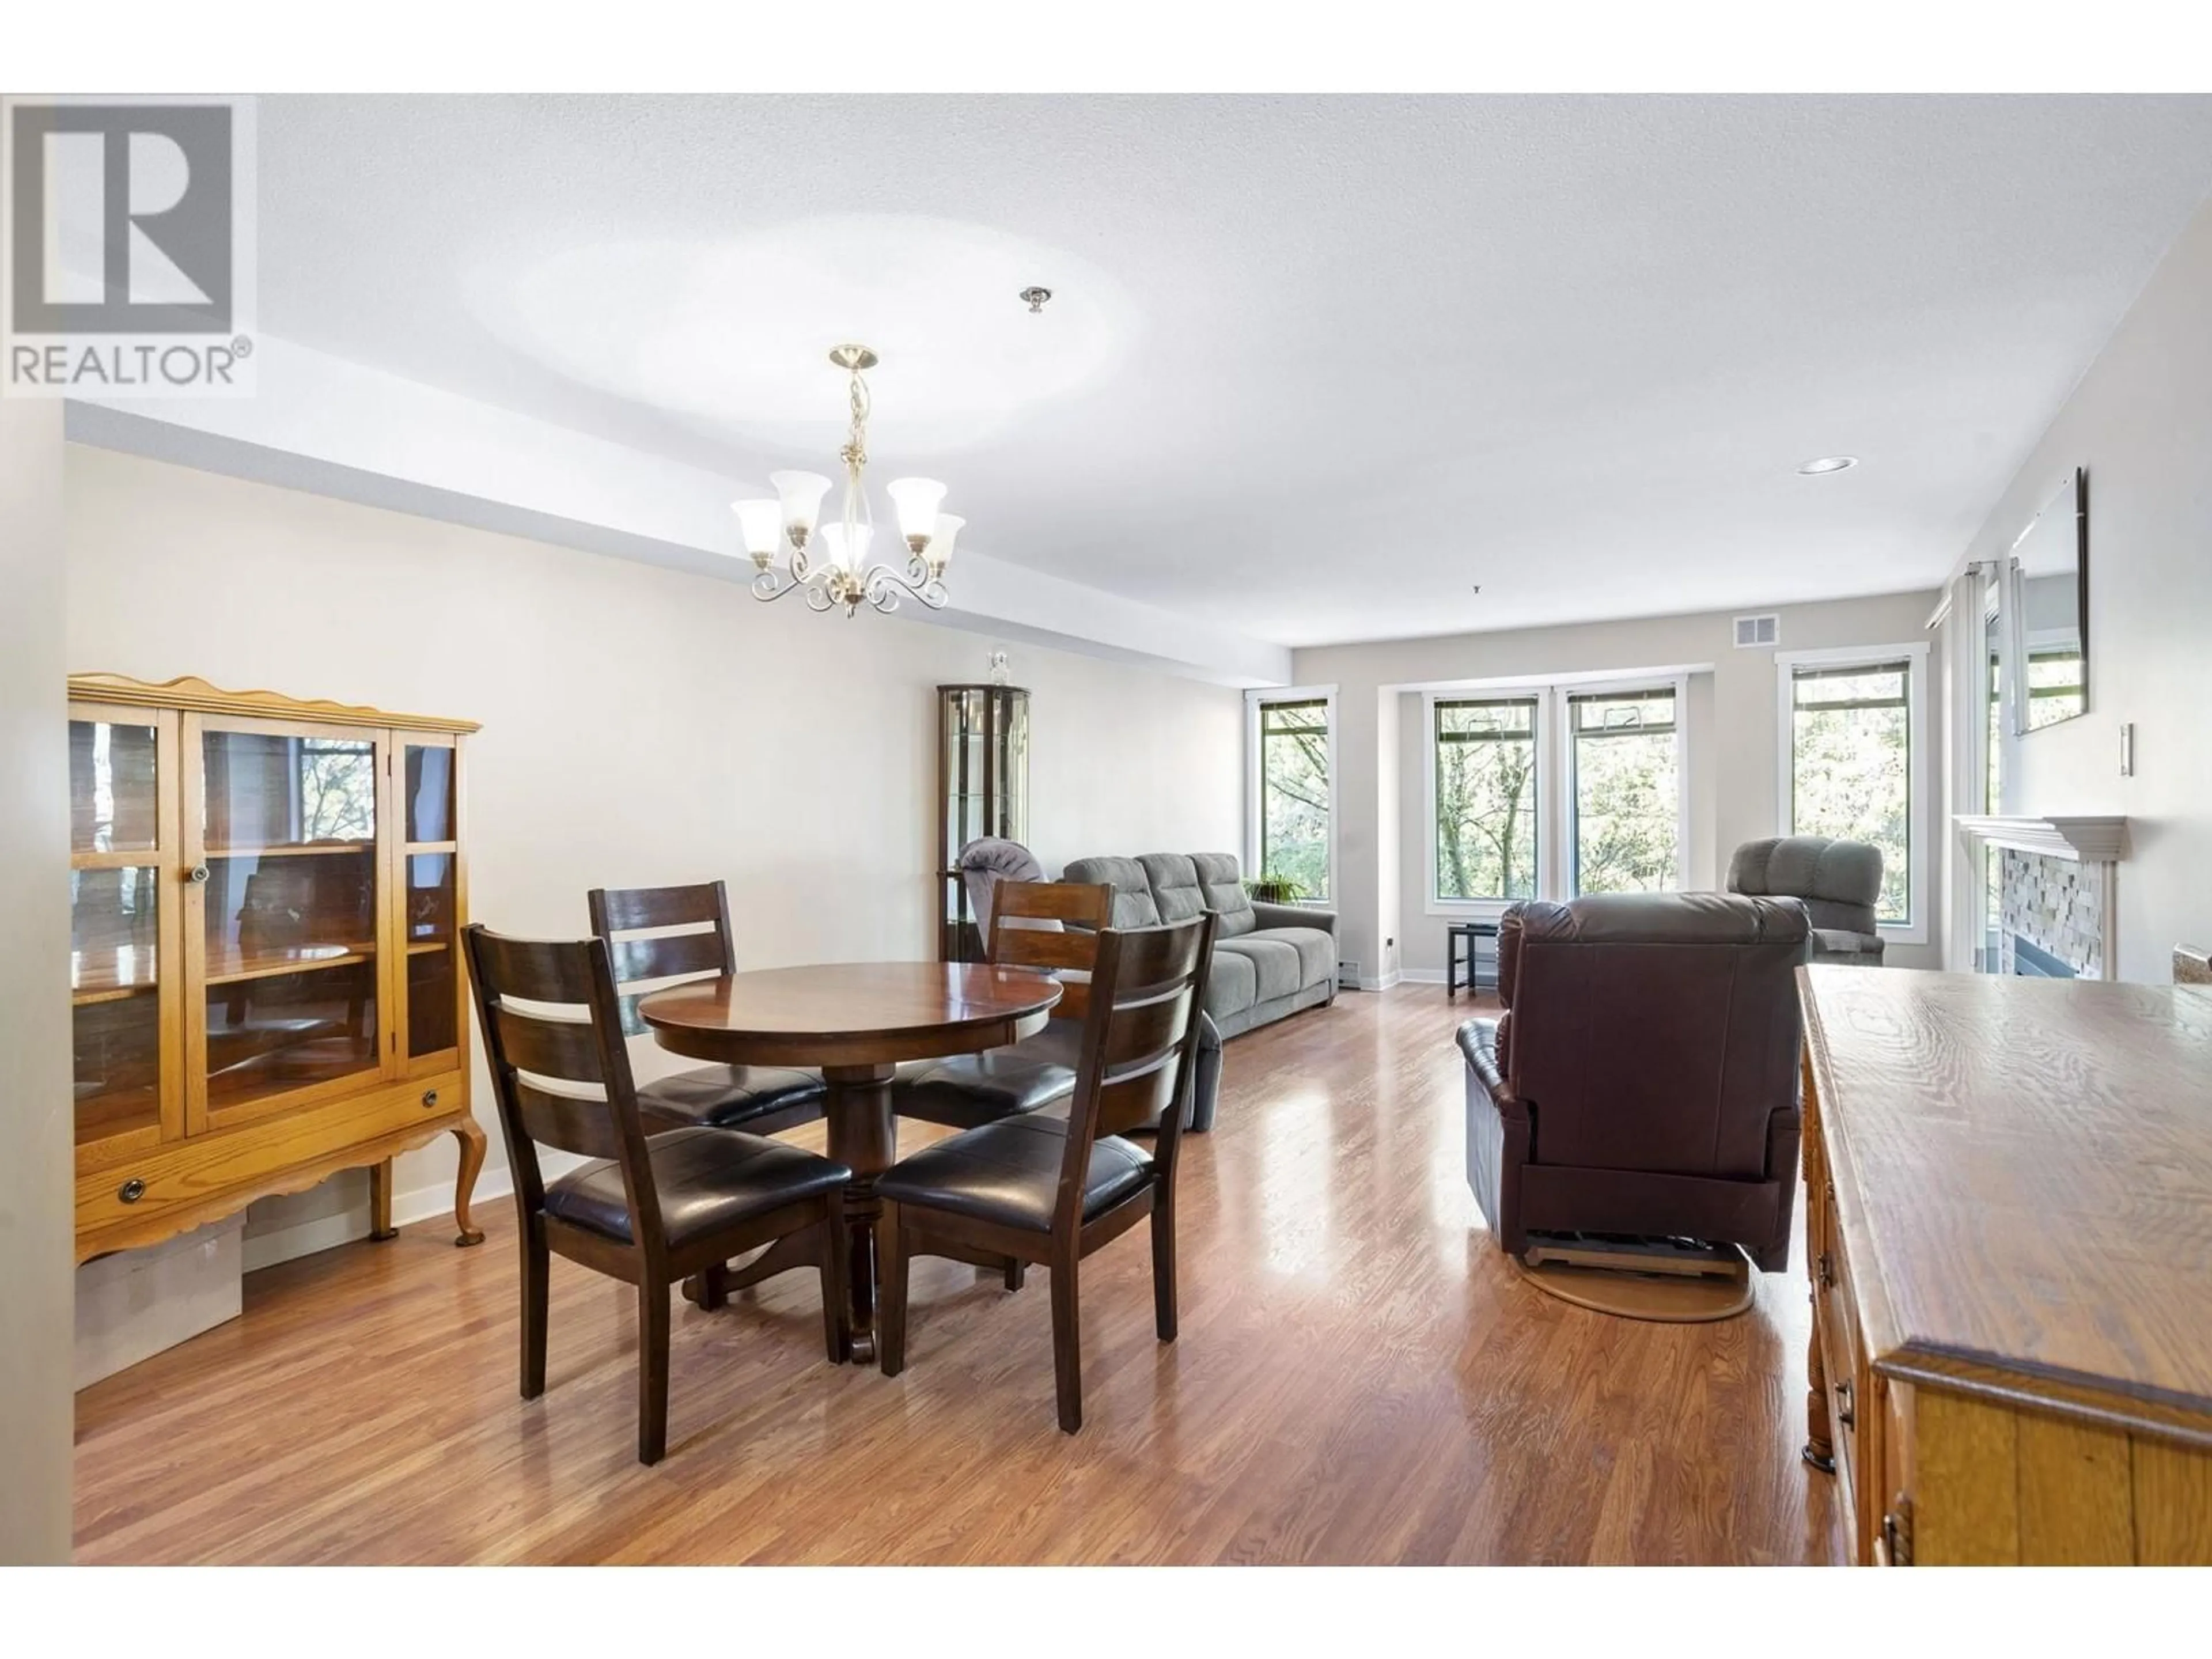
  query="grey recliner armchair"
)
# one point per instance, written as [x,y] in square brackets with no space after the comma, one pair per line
[1839,881]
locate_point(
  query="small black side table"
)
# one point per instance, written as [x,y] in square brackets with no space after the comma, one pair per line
[1462,934]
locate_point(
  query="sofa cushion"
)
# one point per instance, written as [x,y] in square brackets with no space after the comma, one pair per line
[1232,983]
[1223,884]
[1275,966]
[1174,880]
[1316,951]
[1133,891]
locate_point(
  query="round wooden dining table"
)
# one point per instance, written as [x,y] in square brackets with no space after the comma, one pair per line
[856,1021]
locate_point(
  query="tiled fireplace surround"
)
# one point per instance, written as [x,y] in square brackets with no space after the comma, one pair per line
[2057,904]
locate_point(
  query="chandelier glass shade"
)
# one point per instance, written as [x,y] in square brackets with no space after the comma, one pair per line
[794,550]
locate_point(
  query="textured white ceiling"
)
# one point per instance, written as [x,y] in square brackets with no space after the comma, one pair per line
[1317,365]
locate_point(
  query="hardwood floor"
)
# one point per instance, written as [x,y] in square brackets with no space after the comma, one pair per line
[1360,1378]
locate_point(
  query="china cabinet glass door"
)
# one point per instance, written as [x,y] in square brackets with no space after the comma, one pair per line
[284,913]
[126,969]
[983,772]
[428,881]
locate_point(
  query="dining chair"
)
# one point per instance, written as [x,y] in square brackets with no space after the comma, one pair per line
[1050,1191]
[636,924]
[650,1212]
[1052,926]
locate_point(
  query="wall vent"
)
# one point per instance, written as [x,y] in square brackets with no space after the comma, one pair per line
[1758,630]
[1347,976]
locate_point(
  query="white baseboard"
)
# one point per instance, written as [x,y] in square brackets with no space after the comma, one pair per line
[1422,976]
[1382,984]
[417,1204]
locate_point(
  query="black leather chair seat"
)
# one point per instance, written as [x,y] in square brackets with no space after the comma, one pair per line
[969,1090]
[731,1097]
[1008,1172]
[707,1179]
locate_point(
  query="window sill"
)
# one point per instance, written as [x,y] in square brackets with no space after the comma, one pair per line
[1892,932]
[1472,909]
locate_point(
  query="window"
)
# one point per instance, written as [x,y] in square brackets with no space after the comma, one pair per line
[2055,691]
[1627,791]
[1552,791]
[1853,765]
[1292,744]
[1486,816]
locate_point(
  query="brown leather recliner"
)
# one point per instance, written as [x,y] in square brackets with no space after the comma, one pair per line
[1643,1078]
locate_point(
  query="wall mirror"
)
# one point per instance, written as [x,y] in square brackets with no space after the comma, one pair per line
[2051,611]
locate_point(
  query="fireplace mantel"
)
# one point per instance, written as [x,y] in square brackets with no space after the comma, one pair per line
[2086,840]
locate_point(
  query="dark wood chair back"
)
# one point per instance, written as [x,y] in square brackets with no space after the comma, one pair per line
[701,951]
[560,1067]
[1082,909]
[1139,1046]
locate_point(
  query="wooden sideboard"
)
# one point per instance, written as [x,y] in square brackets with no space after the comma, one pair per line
[266,902]
[2008,1223]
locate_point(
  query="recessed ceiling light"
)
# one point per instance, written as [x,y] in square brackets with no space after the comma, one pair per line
[1828,464]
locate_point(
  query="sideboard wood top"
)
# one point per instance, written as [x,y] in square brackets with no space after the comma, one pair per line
[2023,1175]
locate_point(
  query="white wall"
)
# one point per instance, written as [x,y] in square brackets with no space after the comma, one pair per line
[37,1141]
[1730,716]
[640,725]
[2140,421]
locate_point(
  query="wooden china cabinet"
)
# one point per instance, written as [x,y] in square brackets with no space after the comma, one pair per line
[267,898]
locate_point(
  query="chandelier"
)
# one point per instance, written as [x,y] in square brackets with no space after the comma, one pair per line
[831,569]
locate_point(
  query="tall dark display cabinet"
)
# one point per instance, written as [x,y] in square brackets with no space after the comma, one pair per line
[982,789]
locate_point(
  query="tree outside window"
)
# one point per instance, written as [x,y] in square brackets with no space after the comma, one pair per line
[337,789]
[1294,758]
[1851,769]
[2055,688]
[1486,778]
[1627,792]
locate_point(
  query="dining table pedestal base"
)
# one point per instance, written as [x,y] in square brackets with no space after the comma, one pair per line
[863,1138]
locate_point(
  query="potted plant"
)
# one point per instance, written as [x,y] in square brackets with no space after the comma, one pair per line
[1274,890]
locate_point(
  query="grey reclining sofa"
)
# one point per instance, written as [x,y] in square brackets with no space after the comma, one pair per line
[1269,960]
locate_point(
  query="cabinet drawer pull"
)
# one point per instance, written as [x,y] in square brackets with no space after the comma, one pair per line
[1844,1403]
[1828,1271]
[429,1098]
[131,1190]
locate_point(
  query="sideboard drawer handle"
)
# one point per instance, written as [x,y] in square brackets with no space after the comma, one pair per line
[1844,1403]
[1828,1270]
[131,1190]
[429,1098]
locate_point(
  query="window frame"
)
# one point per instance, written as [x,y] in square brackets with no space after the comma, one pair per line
[1556,828]
[1916,929]
[1254,702]
[1570,832]
[1541,735]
